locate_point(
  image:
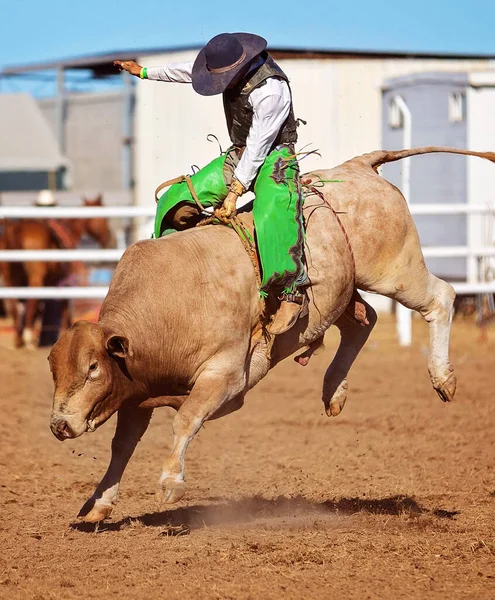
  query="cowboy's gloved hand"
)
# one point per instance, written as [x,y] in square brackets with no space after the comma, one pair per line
[228,208]
[128,65]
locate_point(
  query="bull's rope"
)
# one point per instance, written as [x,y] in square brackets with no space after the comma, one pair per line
[313,191]
[243,234]
[241,230]
[232,221]
[180,179]
[247,241]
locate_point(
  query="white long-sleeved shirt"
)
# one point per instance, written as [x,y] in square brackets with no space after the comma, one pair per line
[271,106]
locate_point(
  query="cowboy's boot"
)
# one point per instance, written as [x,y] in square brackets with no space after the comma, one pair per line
[292,307]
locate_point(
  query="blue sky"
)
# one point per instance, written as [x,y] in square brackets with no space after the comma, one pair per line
[37,30]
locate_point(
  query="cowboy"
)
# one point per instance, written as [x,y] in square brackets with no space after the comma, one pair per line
[45,198]
[261,124]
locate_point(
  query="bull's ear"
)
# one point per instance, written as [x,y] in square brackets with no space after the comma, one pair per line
[117,345]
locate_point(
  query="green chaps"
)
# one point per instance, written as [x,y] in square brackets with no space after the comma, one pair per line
[277,214]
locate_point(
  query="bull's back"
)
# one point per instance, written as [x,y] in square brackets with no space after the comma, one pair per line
[197,288]
[376,218]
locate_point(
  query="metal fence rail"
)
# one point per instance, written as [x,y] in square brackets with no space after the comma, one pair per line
[85,212]
[61,255]
[101,291]
[115,255]
[112,256]
[75,212]
[54,293]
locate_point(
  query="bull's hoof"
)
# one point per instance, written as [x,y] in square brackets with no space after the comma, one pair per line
[336,404]
[171,491]
[96,514]
[446,391]
[302,360]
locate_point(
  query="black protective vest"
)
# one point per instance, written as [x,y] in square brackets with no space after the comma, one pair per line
[239,113]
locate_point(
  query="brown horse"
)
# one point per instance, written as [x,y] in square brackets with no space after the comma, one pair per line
[33,234]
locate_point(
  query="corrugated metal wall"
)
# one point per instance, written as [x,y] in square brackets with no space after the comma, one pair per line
[359,113]
[93,139]
[339,98]
[435,178]
[481,173]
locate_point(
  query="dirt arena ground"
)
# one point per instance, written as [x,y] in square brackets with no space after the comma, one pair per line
[393,499]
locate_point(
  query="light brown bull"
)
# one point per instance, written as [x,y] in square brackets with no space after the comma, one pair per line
[178,323]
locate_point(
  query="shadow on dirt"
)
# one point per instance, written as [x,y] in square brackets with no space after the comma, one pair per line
[247,510]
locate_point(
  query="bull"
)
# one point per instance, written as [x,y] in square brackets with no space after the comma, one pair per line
[180,325]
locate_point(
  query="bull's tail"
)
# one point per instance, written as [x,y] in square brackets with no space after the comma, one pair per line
[380,157]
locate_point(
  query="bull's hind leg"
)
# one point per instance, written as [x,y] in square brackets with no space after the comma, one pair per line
[437,308]
[304,358]
[438,314]
[131,425]
[214,388]
[353,335]
[433,298]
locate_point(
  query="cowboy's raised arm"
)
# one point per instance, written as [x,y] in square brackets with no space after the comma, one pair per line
[177,72]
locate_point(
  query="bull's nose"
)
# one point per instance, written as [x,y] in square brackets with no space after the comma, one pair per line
[61,430]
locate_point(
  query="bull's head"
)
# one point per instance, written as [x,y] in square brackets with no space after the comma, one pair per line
[87,365]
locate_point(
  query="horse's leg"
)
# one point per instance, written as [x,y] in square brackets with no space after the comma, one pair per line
[416,288]
[353,335]
[131,426]
[36,273]
[16,313]
[213,389]
[66,320]
[28,335]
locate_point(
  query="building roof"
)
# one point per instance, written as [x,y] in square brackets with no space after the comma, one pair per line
[476,79]
[102,63]
[482,79]
[26,141]
[437,78]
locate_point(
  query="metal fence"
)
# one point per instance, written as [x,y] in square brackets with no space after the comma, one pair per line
[113,256]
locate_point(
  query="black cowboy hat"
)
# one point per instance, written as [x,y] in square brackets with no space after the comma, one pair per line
[223,57]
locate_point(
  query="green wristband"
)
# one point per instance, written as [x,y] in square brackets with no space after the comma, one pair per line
[144,73]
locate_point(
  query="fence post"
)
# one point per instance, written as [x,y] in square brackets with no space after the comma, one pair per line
[403,314]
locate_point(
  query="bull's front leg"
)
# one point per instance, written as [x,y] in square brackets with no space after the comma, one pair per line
[212,390]
[353,335]
[132,423]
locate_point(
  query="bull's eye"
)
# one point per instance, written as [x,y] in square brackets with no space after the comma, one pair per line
[93,370]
